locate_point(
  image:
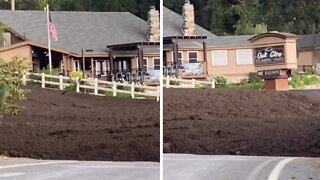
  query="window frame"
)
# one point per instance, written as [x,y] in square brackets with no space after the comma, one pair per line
[196,57]
[153,60]
[145,65]
[237,55]
[75,63]
[179,52]
[213,59]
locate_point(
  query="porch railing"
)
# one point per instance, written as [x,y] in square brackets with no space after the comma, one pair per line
[185,69]
[137,76]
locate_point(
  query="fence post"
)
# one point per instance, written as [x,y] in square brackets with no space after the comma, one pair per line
[95,86]
[43,85]
[114,88]
[60,82]
[132,90]
[167,82]
[193,83]
[213,84]
[24,79]
[158,93]
[77,85]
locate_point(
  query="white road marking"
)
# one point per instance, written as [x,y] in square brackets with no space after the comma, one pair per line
[255,173]
[11,174]
[275,173]
[35,164]
[118,167]
[199,158]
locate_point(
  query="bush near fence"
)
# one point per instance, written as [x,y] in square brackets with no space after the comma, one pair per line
[170,82]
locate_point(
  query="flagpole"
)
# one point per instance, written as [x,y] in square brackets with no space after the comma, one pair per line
[49,40]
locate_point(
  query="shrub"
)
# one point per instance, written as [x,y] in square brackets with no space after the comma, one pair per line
[55,71]
[10,78]
[296,81]
[110,93]
[221,81]
[125,88]
[139,89]
[300,81]
[73,82]
[258,85]
[76,74]
[254,78]
[175,83]
[203,86]
[72,86]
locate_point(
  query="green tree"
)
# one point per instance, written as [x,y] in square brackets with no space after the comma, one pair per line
[11,85]
[2,28]
[137,7]
[222,16]
[250,29]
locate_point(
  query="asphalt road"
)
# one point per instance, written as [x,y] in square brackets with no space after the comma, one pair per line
[28,169]
[202,167]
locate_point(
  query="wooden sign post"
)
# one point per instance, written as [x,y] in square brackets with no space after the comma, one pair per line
[275,79]
[275,56]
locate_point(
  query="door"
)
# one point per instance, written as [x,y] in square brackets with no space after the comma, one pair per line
[101,67]
[123,65]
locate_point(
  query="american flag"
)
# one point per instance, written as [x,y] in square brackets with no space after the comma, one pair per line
[52,29]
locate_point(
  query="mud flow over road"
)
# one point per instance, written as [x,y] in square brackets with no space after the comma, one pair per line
[244,122]
[57,125]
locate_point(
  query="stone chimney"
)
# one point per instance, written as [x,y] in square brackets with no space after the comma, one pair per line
[188,26]
[154,25]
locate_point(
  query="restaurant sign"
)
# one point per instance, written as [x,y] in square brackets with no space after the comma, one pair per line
[269,74]
[269,55]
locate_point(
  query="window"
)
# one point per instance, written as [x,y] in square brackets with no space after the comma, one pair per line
[219,58]
[77,65]
[124,65]
[61,65]
[101,67]
[97,68]
[104,67]
[87,64]
[180,56]
[156,64]
[193,57]
[145,64]
[244,56]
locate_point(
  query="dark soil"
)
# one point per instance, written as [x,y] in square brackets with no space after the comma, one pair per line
[57,125]
[242,122]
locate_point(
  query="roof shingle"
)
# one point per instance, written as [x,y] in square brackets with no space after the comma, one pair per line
[78,30]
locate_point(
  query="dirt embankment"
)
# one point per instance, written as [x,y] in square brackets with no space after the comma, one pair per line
[58,125]
[244,122]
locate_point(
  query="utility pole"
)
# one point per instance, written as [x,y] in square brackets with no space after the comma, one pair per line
[13,5]
[83,64]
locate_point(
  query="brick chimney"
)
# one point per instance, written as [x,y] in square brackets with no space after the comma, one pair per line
[188,26]
[154,25]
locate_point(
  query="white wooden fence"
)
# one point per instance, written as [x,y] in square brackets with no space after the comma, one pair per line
[186,83]
[95,84]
